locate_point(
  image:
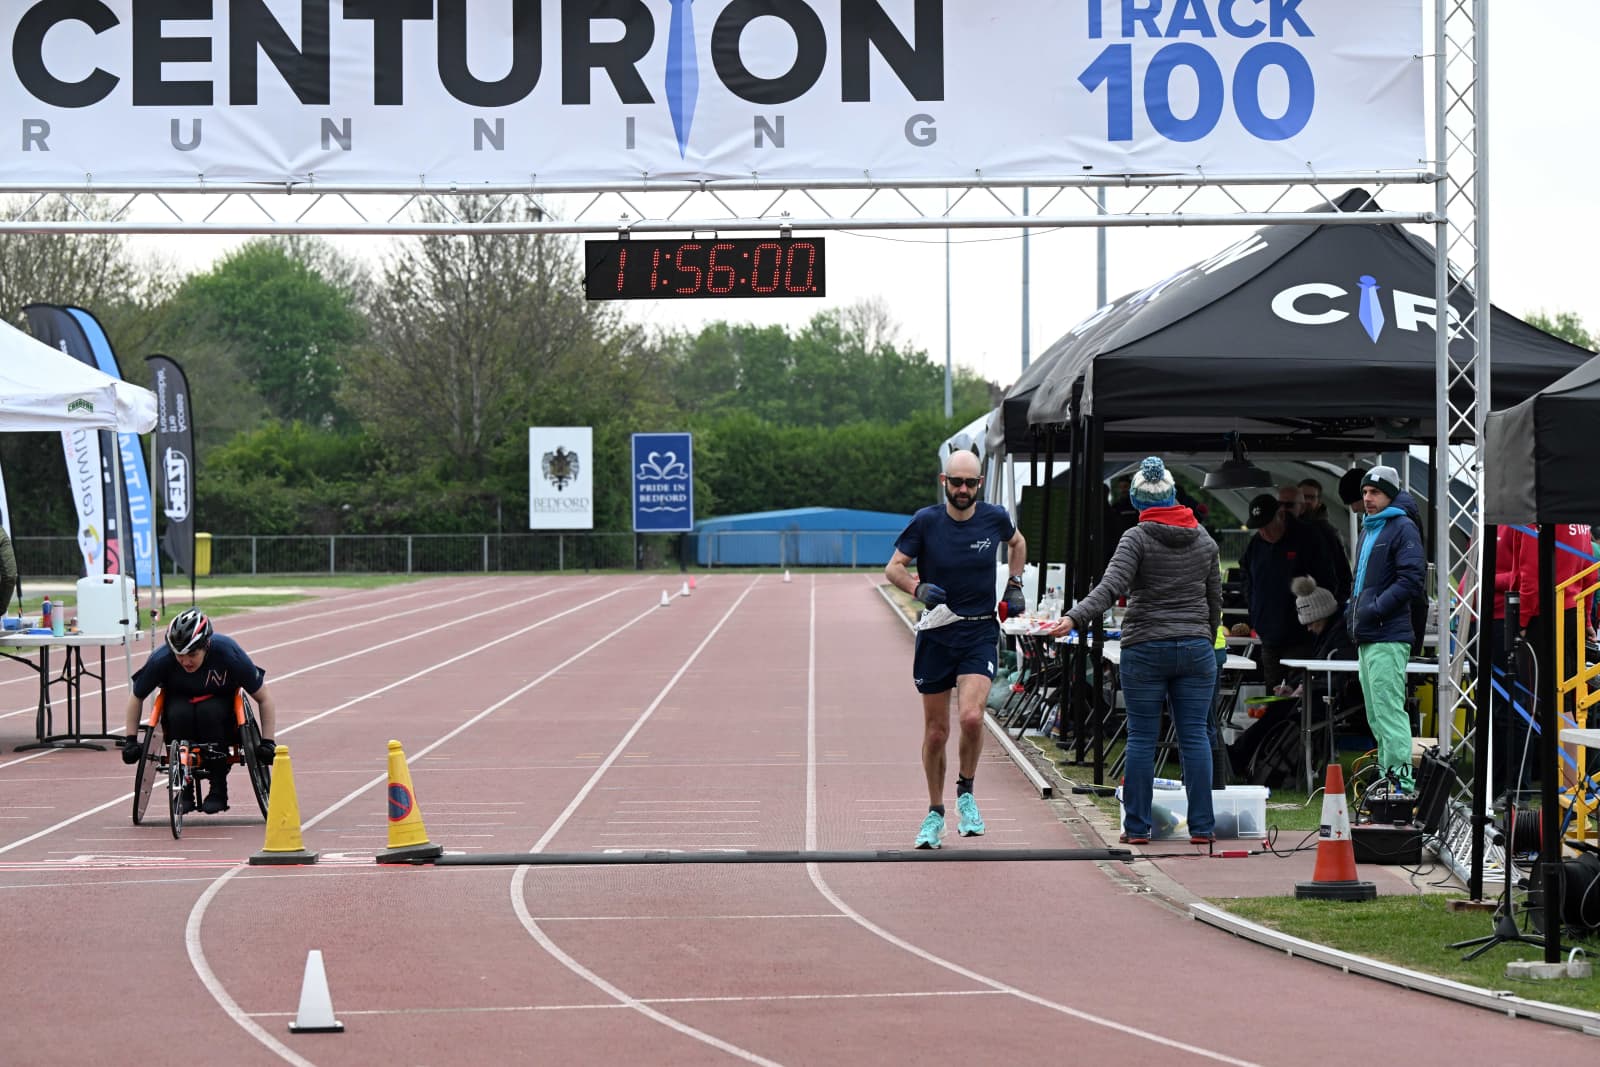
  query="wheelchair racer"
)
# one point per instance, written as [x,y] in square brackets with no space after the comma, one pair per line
[200,674]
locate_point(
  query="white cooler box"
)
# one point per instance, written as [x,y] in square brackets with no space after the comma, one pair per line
[107,605]
[1241,811]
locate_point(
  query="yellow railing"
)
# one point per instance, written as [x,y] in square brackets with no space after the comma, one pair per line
[1574,681]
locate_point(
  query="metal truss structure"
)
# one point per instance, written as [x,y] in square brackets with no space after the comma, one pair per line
[1462,391]
[1457,213]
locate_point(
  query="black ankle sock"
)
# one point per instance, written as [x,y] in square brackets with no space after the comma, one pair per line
[939,808]
[963,785]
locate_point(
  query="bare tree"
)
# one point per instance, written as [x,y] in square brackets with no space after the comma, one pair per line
[463,328]
[93,271]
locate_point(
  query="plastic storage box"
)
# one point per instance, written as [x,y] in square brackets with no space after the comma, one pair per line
[1241,811]
[107,605]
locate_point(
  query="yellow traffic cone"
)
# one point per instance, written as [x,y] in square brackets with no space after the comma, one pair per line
[283,844]
[408,838]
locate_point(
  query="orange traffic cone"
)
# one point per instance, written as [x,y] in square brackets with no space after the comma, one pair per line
[1334,877]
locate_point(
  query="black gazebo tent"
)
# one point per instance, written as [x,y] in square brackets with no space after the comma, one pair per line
[1296,339]
[1536,463]
[1301,338]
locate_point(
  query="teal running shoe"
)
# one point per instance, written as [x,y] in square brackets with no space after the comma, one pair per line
[971,823]
[932,830]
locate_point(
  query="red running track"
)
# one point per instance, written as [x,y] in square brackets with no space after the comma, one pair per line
[575,713]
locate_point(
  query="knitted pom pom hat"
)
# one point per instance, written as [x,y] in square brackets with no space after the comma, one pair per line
[1311,601]
[1152,485]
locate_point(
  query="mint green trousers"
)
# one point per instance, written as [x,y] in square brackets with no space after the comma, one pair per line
[1383,686]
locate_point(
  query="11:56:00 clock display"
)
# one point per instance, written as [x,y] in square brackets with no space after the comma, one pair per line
[638,269]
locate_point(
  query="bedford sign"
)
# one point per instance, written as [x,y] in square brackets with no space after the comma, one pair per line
[607,94]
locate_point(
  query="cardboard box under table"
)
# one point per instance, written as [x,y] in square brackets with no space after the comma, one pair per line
[1241,811]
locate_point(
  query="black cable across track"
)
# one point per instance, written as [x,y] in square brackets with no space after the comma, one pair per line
[657,856]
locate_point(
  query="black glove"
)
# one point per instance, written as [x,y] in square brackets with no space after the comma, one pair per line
[931,595]
[1016,604]
[131,749]
[266,748]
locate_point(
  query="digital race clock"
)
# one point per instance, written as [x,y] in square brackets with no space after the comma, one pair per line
[645,269]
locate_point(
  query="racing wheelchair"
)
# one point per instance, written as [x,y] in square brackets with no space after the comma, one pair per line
[185,764]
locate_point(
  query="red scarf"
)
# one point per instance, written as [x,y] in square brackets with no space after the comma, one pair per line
[1171,515]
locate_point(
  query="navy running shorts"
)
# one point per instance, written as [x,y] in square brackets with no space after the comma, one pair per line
[944,654]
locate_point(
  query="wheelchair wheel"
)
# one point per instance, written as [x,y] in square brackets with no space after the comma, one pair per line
[144,775]
[178,786]
[260,773]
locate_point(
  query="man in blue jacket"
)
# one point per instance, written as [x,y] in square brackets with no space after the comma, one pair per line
[1391,568]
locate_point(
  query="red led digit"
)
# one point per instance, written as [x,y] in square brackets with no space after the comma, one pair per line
[810,251]
[655,268]
[622,265]
[777,267]
[689,268]
[723,270]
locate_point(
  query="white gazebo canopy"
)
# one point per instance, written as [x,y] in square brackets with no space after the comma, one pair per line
[42,389]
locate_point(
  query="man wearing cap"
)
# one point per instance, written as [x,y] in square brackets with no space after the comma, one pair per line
[1314,513]
[1391,568]
[1282,549]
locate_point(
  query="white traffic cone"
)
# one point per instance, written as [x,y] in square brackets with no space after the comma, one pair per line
[685,590]
[786,577]
[316,1005]
[665,600]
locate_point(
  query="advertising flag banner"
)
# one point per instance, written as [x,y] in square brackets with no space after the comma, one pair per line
[634,91]
[663,482]
[174,458]
[88,452]
[560,478]
[137,509]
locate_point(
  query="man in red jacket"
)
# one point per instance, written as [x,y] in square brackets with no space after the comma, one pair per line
[1517,567]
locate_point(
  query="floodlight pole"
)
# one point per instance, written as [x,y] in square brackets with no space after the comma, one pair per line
[1100,250]
[1024,280]
[949,405]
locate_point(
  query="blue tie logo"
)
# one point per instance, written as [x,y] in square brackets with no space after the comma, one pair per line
[683,71]
[1371,313]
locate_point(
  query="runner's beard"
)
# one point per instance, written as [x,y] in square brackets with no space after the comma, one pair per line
[960,499]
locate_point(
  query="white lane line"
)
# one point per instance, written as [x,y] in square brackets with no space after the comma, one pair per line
[502,1009]
[317,636]
[518,880]
[339,659]
[815,873]
[192,940]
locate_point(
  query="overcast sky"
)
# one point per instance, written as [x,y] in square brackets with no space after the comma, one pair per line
[1544,204]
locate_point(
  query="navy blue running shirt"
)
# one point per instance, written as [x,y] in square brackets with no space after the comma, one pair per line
[959,556]
[226,669]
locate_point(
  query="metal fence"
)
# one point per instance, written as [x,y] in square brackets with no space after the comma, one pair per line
[491,552]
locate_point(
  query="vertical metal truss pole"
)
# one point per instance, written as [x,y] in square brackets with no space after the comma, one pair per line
[1462,373]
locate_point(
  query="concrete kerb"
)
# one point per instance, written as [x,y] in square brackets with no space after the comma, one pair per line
[1092,827]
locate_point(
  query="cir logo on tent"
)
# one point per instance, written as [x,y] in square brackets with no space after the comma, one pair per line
[80,404]
[401,803]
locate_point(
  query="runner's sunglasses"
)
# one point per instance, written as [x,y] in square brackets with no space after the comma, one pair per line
[963,483]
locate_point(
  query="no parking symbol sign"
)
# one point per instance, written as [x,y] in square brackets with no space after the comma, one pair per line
[401,802]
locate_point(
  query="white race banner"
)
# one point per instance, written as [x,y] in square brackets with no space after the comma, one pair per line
[82,448]
[788,91]
[560,478]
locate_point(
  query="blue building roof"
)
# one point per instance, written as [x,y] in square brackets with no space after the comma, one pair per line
[801,537]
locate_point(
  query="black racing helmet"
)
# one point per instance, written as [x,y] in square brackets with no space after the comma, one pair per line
[189,632]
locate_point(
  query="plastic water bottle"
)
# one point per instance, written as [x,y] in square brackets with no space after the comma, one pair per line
[1166,783]
[44,613]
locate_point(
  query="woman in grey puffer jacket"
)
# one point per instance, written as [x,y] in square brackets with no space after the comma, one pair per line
[1167,567]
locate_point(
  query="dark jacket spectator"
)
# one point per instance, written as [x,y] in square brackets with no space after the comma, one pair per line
[8,571]
[1391,567]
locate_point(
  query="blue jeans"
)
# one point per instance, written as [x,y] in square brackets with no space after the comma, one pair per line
[1179,672]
